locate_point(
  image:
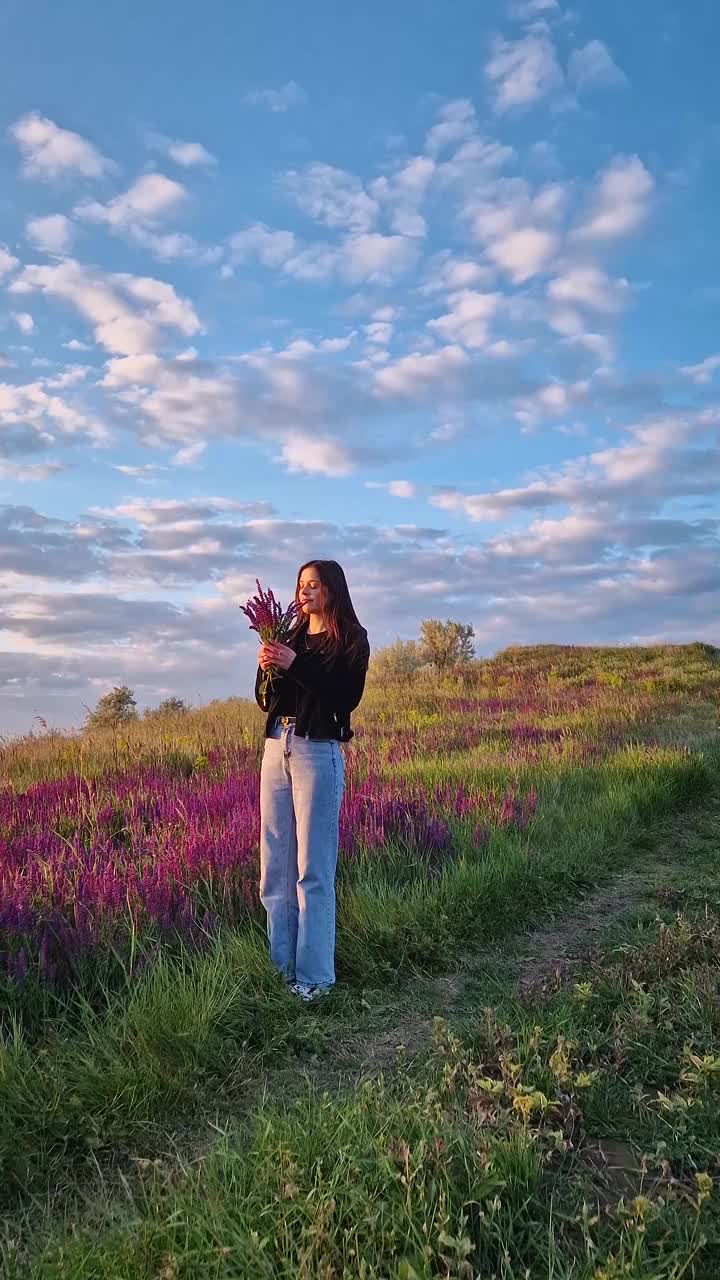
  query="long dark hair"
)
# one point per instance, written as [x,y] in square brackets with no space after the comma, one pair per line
[344,630]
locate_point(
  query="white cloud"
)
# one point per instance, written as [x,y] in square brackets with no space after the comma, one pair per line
[151,197]
[376,258]
[519,228]
[32,419]
[450,427]
[456,122]
[332,196]
[49,151]
[523,71]
[189,454]
[403,193]
[422,373]
[164,307]
[553,399]
[396,488]
[271,248]
[468,319]
[51,234]
[473,164]
[660,460]
[107,302]
[448,274]
[317,261]
[620,202]
[7,262]
[315,456]
[29,472]
[139,212]
[593,67]
[305,406]
[589,287]
[75,345]
[704,371]
[188,154]
[179,513]
[556,539]
[366,257]
[72,374]
[415,176]
[24,321]
[336,344]
[566,321]
[176,244]
[282,99]
[379,333]
[142,471]
[523,253]
[597,343]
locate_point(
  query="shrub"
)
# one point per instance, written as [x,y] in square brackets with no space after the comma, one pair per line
[113,709]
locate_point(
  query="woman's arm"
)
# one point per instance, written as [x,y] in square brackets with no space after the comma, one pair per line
[260,701]
[277,675]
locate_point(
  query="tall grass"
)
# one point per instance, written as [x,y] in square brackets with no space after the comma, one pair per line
[611,741]
[573,1136]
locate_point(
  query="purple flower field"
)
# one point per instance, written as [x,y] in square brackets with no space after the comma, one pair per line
[115,845]
[89,864]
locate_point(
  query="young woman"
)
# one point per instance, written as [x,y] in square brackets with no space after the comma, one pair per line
[319,679]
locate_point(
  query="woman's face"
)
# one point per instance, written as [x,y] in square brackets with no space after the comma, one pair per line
[311,593]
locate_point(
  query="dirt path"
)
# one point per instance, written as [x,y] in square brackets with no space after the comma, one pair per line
[559,948]
[531,961]
[545,954]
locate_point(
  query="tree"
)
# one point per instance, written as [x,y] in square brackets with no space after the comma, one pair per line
[446,644]
[397,661]
[168,707]
[113,709]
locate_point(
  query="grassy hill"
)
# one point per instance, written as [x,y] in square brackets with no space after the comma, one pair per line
[138,1008]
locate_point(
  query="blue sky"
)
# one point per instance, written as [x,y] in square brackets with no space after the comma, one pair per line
[429,289]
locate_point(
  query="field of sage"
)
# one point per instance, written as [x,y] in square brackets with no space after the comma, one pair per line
[137,1002]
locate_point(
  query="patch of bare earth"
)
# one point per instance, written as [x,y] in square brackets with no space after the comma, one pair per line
[617,1171]
[547,954]
[559,949]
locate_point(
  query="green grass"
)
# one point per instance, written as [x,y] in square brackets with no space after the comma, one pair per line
[480,1159]
[119,1072]
[107,1092]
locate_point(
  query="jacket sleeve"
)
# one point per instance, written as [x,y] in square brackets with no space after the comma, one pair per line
[258,699]
[341,686]
[277,676]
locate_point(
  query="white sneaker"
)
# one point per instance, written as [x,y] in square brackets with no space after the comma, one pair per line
[308,993]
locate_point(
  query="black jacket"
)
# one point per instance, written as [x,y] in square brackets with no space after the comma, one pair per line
[328,689]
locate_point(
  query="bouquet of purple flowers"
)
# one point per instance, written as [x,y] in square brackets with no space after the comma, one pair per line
[271,622]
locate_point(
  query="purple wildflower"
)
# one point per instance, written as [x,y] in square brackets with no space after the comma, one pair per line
[271,622]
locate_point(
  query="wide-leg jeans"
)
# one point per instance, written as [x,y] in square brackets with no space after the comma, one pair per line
[301,786]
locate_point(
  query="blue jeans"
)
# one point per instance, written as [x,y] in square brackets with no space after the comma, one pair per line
[301,785]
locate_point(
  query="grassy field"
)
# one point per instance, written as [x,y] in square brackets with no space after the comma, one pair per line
[167,1110]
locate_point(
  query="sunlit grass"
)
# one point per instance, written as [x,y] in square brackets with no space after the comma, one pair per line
[596,748]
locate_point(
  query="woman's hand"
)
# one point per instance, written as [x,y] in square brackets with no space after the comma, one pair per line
[272,654]
[264,659]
